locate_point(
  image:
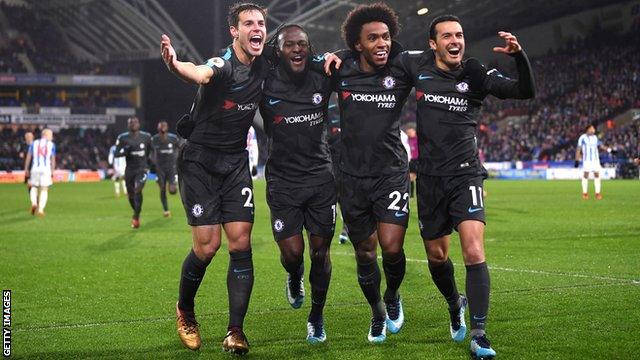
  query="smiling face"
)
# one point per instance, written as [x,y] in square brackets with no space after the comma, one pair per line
[374,45]
[250,32]
[293,48]
[448,45]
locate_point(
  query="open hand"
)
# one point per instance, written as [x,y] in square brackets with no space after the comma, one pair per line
[511,43]
[168,53]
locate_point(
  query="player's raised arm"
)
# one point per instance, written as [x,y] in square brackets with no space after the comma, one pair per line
[187,71]
[498,85]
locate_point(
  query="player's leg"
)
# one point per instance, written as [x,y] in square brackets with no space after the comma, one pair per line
[136,196]
[162,185]
[42,199]
[202,207]
[33,192]
[357,211]
[435,227]
[477,284]
[237,217]
[116,179]
[320,220]
[391,238]
[130,184]
[123,183]
[391,209]
[286,224]
[585,185]
[467,214]
[239,284]
[597,184]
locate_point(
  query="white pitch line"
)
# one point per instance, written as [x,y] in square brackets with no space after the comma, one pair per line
[530,271]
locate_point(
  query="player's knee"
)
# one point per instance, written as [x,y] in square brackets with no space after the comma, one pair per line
[473,253]
[207,251]
[319,255]
[291,255]
[240,242]
[365,256]
[392,254]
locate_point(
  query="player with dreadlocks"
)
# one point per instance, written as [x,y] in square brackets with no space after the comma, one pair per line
[300,185]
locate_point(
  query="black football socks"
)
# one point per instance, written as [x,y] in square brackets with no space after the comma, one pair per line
[478,286]
[193,270]
[239,286]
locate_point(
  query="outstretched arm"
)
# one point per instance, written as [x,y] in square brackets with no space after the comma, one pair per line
[524,87]
[187,71]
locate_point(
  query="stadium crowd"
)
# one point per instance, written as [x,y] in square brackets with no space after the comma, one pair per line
[588,81]
[77,148]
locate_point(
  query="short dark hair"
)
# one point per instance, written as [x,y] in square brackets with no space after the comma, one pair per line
[438,20]
[364,14]
[234,12]
[586,128]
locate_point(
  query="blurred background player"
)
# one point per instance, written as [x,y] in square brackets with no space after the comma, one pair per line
[252,149]
[215,181]
[118,164]
[24,150]
[165,149]
[135,145]
[42,157]
[587,151]
[410,130]
[301,189]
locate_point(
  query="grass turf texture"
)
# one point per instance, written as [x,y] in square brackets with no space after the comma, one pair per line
[565,280]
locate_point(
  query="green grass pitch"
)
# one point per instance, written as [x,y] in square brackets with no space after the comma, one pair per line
[565,276]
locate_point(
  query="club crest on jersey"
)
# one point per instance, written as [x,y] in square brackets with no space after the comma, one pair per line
[462,87]
[141,146]
[388,82]
[316,98]
[216,61]
[197,210]
[278,225]
[170,146]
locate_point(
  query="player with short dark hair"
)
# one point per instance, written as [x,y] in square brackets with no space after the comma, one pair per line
[301,189]
[215,183]
[374,184]
[165,149]
[449,94]
[23,151]
[135,146]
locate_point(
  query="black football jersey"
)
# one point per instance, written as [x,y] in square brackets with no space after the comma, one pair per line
[135,147]
[224,108]
[165,150]
[448,108]
[370,106]
[295,117]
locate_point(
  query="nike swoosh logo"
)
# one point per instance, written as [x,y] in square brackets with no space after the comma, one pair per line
[236,88]
[424,77]
[273,101]
[472,210]
[400,214]
[344,83]
[241,270]
[479,317]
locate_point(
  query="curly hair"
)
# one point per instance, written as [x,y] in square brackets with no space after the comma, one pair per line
[363,14]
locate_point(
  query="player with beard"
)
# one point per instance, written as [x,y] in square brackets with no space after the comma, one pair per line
[374,183]
[300,185]
[165,148]
[135,146]
[215,183]
[449,94]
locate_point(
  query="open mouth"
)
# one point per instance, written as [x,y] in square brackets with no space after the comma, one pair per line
[454,51]
[381,55]
[297,59]
[256,42]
